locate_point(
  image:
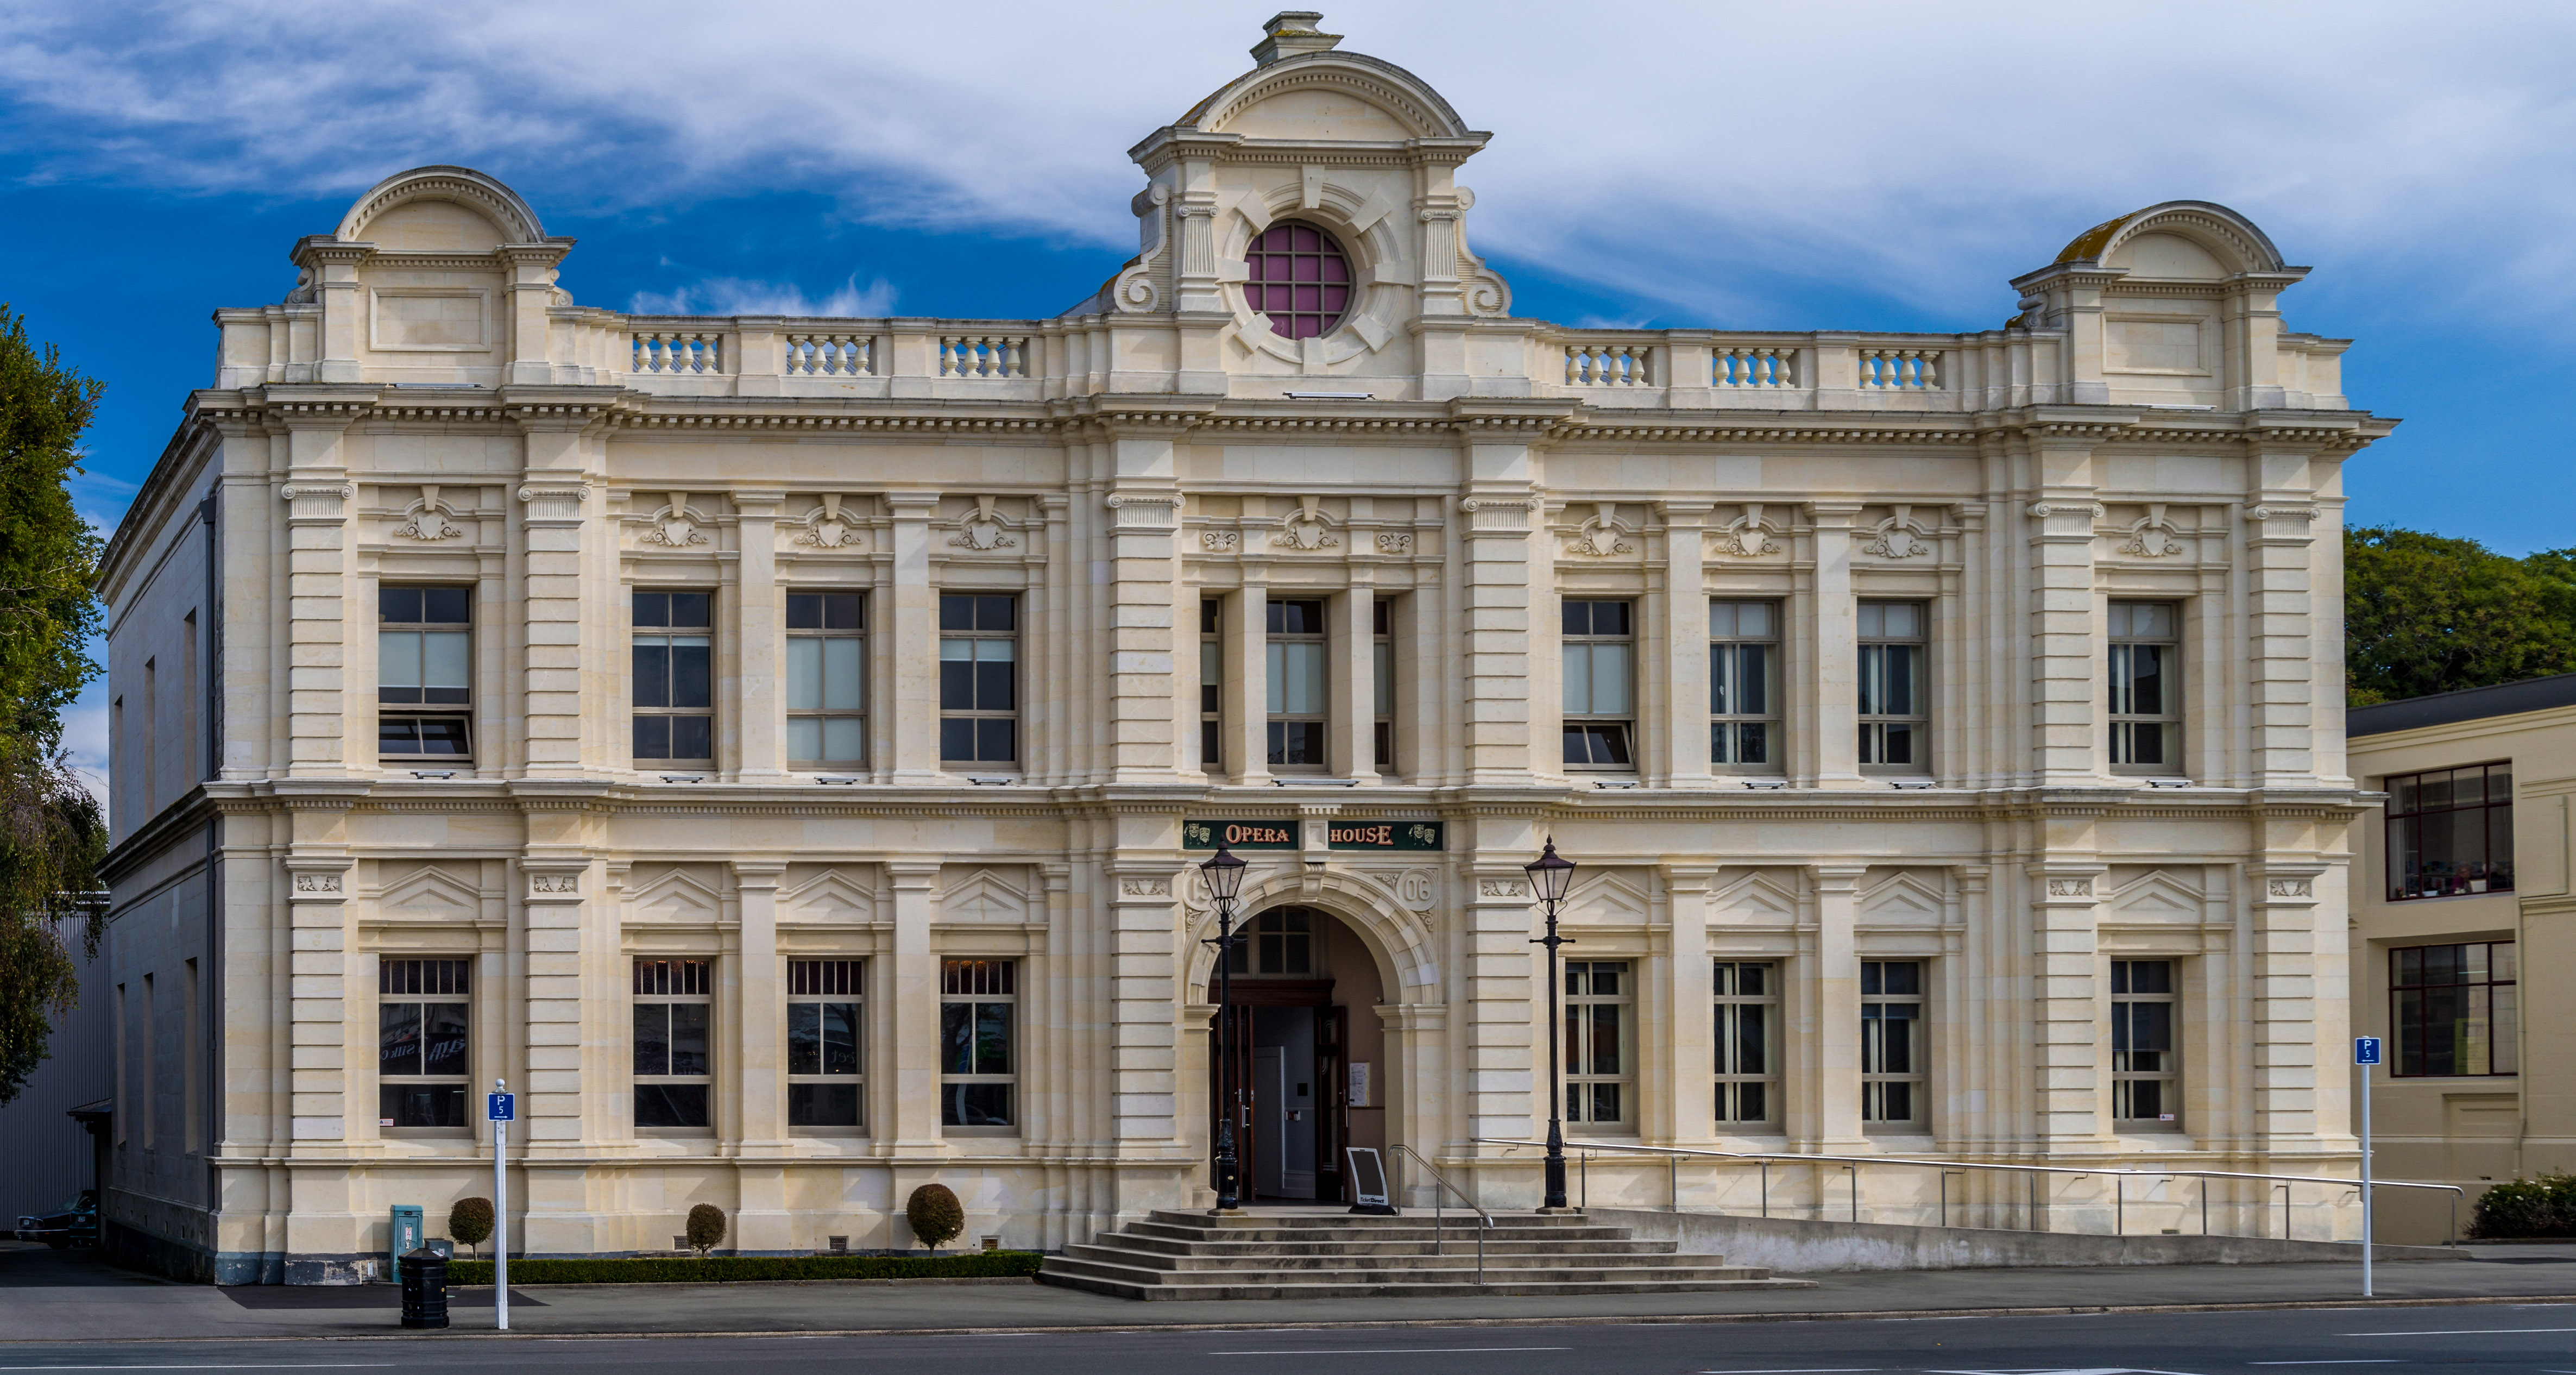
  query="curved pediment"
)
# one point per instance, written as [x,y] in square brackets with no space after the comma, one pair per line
[2178,239]
[440,210]
[1328,97]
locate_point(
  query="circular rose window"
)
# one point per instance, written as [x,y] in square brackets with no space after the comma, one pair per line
[1297,275]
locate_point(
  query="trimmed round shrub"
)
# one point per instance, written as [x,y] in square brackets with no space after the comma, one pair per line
[470,1222]
[935,1214]
[706,1227]
[2543,1207]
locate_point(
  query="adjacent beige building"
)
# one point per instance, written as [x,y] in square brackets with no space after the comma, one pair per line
[781,747]
[2462,884]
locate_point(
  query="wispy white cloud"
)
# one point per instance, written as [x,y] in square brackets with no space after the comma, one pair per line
[1717,158]
[739,296]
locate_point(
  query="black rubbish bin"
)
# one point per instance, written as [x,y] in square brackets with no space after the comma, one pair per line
[424,1286]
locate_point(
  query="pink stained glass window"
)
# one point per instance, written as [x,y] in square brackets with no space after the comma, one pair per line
[1296,274]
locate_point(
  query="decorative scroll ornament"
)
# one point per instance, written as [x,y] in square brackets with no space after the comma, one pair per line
[2290,888]
[317,883]
[983,530]
[1747,536]
[1145,887]
[1394,542]
[1598,536]
[2152,536]
[1502,888]
[825,529]
[1305,528]
[1220,541]
[2070,888]
[674,527]
[426,519]
[2042,510]
[1898,537]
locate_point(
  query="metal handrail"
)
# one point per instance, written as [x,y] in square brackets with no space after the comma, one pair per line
[1672,1153]
[1485,1220]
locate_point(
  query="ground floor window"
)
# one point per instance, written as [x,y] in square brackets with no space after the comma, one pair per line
[1891,1042]
[1600,1007]
[1748,1069]
[421,1043]
[978,1016]
[2145,1066]
[2455,1009]
[674,1004]
[823,1043]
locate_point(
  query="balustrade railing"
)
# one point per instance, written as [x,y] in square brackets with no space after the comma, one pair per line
[1740,366]
[1899,369]
[679,351]
[831,355]
[983,355]
[1607,365]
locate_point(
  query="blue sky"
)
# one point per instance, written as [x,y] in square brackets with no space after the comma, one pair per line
[1853,166]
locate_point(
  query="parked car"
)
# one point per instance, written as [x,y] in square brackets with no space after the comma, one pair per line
[74,1224]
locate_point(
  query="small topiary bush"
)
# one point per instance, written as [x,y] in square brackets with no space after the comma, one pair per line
[706,1228]
[470,1222]
[935,1214]
[2543,1207]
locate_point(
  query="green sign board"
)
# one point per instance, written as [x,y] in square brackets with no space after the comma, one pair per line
[1239,835]
[1284,835]
[1386,835]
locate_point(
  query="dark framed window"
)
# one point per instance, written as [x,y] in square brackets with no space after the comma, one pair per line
[1892,716]
[1298,276]
[2145,682]
[1278,941]
[423,1043]
[2456,1009]
[1293,660]
[1743,684]
[1891,1042]
[1748,1057]
[2146,1060]
[978,1059]
[824,1046]
[979,685]
[827,678]
[424,672]
[1600,649]
[674,1044]
[2450,832]
[1212,684]
[674,678]
[1382,682]
[1600,1043]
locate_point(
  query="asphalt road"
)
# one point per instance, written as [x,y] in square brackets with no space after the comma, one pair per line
[2517,1338]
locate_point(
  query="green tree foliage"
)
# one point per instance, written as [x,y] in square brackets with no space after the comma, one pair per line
[51,832]
[2426,614]
[706,1227]
[470,1221]
[935,1214]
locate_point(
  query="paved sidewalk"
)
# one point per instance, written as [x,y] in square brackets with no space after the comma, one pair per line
[72,1296]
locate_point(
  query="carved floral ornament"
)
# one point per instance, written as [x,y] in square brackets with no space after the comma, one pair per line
[1599,535]
[675,526]
[1502,888]
[2290,887]
[1898,537]
[2070,887]
[983,530]
[1145,887]
[2151,536]
[1307,528]
[1747,536]
[554,883]
[426,519]
[1220,541]
[826,528]
[1394,541]
[317,883]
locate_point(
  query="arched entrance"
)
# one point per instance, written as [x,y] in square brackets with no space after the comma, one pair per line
[1309,1054]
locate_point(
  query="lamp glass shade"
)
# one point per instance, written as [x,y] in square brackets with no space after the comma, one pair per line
[1550,874]
[1224,874]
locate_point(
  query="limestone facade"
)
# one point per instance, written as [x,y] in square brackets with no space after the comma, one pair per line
[1826,621]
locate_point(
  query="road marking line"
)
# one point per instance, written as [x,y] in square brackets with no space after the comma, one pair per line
[1803,1370]
[2372,1360]
[331,1365]
[2462,1332]
[1389,1351]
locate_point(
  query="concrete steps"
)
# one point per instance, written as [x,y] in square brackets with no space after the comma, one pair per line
[1324,1255]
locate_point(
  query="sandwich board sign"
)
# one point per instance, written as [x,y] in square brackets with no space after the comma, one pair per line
[1368,1181]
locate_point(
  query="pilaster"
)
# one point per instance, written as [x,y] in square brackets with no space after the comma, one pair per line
[319,618]
[1685,649]
[2065,1006]
[1351,656]
[1506,1003]
[759,638]
[323,972]
[1144,989]
[1832,1007]
[762,1220]
[1143,743]
[2067,745]
[913,623]
[906,983]
[1502,568]
[558,534]
[1833,759]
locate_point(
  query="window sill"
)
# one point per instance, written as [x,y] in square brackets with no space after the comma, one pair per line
[2396,1078]
[986,1133]
[2124,1126]
[675,1133]
[2451,897]
[425,1133]
[830,1133]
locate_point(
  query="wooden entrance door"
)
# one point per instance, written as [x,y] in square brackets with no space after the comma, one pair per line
[1249,994]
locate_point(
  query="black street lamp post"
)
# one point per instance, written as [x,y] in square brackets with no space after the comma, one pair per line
[1550,875]
[1225,880]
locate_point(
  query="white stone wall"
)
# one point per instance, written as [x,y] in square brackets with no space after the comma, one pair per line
[1110,469]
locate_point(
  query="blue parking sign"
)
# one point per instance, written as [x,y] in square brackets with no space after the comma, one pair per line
[2365,1050]
[501,1107]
